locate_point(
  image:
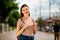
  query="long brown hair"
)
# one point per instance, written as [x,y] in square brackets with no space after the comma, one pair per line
[24,5]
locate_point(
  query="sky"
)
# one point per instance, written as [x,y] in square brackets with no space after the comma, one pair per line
[44,4]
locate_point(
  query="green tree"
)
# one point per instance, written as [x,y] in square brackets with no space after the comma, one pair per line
[15,14]
[6,6]
[40,21]
[12,21]
[13,17]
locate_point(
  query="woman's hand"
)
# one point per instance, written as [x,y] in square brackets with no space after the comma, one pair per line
[35,24]
[25,25]
[34,28]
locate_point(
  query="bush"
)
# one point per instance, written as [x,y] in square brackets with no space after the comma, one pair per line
[12,21]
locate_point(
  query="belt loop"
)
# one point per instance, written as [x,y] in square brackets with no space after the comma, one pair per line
[29,37]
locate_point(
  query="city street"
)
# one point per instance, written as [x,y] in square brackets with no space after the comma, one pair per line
[39,36]
[28,16]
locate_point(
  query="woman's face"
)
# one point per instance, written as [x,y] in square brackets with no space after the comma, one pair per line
[25,11]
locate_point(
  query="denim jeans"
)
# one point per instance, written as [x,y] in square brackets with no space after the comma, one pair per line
[24,37]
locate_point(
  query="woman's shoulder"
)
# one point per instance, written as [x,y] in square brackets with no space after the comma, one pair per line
[19,20]
[31,18]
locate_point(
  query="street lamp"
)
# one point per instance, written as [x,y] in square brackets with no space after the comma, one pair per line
[40,8]
[49,8]
[59,10]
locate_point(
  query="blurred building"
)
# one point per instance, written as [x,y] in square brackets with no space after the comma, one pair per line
[50,21]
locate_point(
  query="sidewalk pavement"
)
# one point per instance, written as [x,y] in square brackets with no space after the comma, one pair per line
[11,35]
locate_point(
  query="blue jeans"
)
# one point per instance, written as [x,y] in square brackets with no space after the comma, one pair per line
[24,37]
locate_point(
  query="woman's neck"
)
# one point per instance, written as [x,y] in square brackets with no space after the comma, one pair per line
[25,17]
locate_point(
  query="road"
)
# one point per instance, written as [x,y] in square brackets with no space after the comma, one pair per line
[11,35]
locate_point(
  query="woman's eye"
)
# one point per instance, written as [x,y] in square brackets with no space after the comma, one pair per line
[23,10]
[26,9]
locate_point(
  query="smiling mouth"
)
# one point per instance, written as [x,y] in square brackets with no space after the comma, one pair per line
[26,12]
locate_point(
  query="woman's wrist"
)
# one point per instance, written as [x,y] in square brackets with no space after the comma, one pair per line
[20,32]
[24,28]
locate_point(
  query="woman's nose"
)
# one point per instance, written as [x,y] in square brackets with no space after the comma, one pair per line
[26,10]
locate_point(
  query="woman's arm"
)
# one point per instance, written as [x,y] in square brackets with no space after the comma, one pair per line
[19,30]
[19,24]
[34,28]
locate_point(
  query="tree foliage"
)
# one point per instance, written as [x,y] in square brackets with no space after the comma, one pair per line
[13,17]
[6,6]
[40,21]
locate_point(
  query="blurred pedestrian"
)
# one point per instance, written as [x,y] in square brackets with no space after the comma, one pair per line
[56,31]
[47,28]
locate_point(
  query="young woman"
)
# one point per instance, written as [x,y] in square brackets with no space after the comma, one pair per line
[26,27]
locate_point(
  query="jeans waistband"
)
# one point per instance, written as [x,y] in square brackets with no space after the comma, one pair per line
[26,36]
